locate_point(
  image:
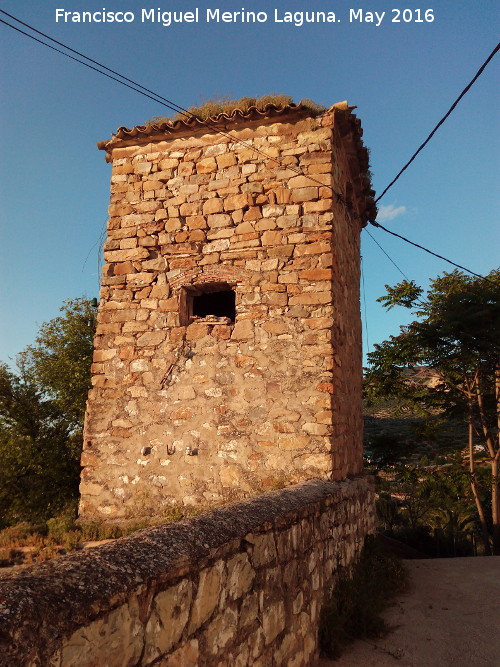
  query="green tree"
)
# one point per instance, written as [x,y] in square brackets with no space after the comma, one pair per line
[39,453]
[42,407]
[457,334]
[59,361]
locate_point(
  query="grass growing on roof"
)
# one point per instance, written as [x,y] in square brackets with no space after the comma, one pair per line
[216,105]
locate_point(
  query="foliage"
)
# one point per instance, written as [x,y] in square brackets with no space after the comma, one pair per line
[39,460]
[216,105]
[59,362]
[431,509]
[403,294]
[456,333]
[386,449]
[353,609]
[41,415]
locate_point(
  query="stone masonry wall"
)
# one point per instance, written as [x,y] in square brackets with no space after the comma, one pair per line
[242,585]
[195,410]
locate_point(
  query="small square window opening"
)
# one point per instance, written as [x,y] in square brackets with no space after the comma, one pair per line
[209,302]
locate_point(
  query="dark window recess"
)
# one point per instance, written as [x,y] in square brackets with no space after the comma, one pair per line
[212,300]
[220,304]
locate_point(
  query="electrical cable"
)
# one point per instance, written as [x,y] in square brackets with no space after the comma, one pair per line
[421,147]
[142,90]
[448,113]
[387,255]
[82,63]
[96,62]
[157,98]
[417,245]
[364,306]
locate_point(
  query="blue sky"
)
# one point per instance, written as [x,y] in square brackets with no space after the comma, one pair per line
[54,183]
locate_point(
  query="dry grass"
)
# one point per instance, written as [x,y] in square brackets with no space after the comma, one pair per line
[217,105]
[25,543]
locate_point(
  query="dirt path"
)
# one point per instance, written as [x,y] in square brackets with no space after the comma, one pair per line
[450,618]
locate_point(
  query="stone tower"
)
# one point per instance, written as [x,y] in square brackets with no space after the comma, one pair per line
[228,348]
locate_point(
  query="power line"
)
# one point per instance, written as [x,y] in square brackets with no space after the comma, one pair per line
[387,255]
[96,62]
[450,110]
[142,90]
[77,60]
[364,306]
[159,99]
[458,266]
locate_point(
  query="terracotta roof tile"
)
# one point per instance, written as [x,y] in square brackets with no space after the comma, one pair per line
[192,122]
[347,121]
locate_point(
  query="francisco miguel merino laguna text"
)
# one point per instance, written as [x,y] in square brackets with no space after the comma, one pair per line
[168,18]
[215,15]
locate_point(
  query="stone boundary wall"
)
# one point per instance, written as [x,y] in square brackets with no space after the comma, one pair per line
[241,585]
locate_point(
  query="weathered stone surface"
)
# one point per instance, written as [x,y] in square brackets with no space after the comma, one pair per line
[212,588]
[221,631]
[185,656]
[193,214]
[206,166]
[207,597]
[232,203]
[214,205]
[240,576]
[151,338]
[264,549]
[196,331]
[116,640]
[125,255]
[243,330]
[273,621]
[169,616]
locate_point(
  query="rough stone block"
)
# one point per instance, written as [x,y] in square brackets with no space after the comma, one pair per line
[219,220]
[169,616]
[226,160]
[117,641]
[206,166]
[272,238]
[310,298]
[273,621]
[240,576]
[305,194]
[243,330]
[235,202]
[207,597]
[214,205]
[263,549]
[125,255]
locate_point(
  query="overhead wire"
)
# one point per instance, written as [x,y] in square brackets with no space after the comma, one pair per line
[420,148]
[364,306]
[155,97]
[417,245]
[142,90]
[80,61]
[448,113]
[96,62]
[387,255]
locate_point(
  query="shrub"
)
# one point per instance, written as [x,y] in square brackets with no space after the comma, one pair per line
[353,609]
